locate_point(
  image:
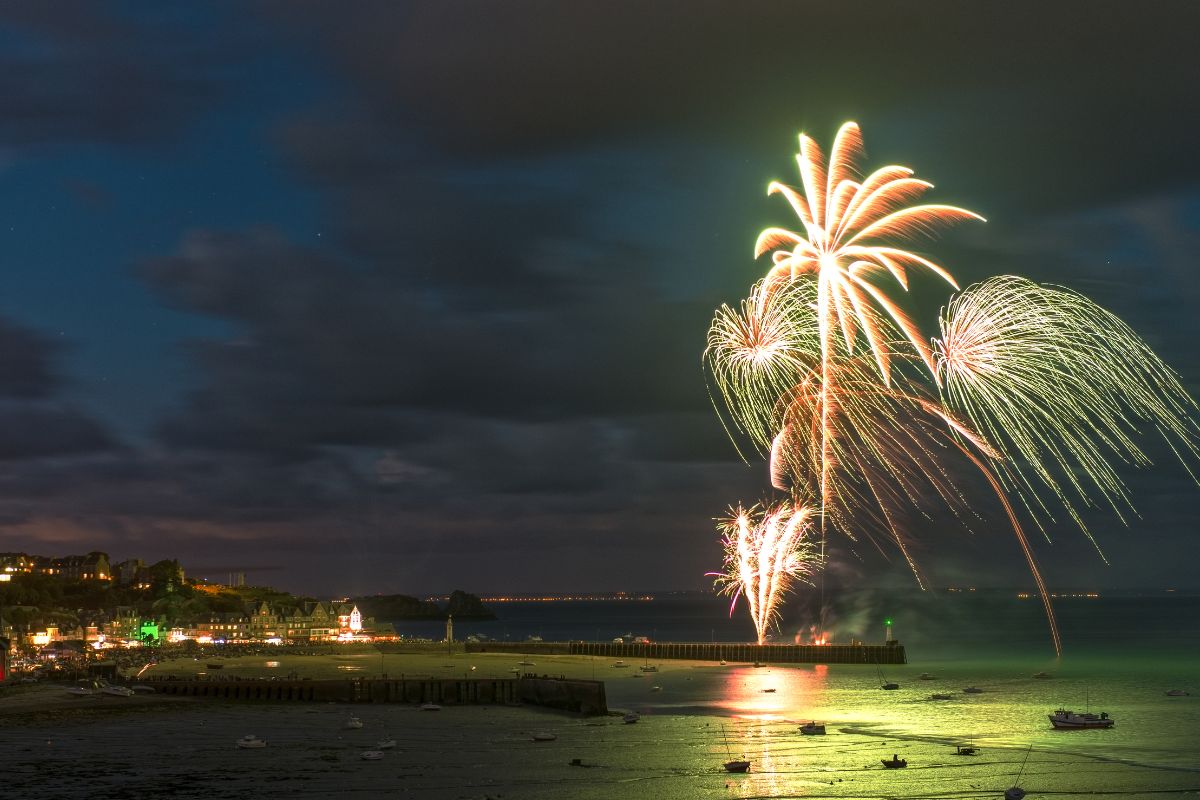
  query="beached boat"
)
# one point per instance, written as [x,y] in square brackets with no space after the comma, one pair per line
[250,742]
[371,755]
[543,736]
[1065,720]
[385,744]
[117,691]
[972,690]
[1177,693]
[631,718]
[941,697]
[768,691]
[737,766]
[354,723]
[81,691]
[1014,793]
[656,688]
[648,668]
[430,707]
[525,663]
[812,729]
[759,664]
[620,665]
[925,676]
[895,762]
[142,688]
[215,666]
[965,750]
[1042,675]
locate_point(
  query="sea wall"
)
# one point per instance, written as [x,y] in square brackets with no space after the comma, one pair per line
[585,697]
[709,651]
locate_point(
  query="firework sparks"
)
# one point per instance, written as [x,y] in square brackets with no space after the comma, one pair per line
[1033,387]
[767,550]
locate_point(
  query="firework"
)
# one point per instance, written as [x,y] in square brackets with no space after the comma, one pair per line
[767,550]
[1032,387]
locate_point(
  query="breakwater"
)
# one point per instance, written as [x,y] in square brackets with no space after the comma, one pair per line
[708,651]
[586,697]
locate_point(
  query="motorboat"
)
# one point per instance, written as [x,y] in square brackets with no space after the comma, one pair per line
[81,691]
[117,691]
[1177,693]
[890,686]
[544,736]
[1042,675]
[941,697]
[1065,720]
[925,676]
[972,690]
[631,718]
[895,762]
[965,750]
[354,723]
[250,742]
[371,755]
[812,729]
[737,766]
[385,744]
[1014,793]
[430,707]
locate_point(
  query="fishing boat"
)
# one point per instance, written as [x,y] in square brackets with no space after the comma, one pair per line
[371,755]
[544,736]
[1065,720]
[733,764]
[631,718]
[648,668]
[250,742]
[812,729]
[895,762]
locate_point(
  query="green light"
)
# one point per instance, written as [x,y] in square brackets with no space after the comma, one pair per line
[887,622]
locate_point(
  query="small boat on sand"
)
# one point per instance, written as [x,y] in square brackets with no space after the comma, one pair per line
[250,742]
[631,718]
[430,707]
[81,691]
[737,766]
[1042,675]
[354,723]
[620,665]
[371,755]
[656,688]
[1177,693]
[972,690]
[965,750]
[117,691]
[895,762]
[768,691]
[925,676]
[543,736]
[812,729]
[385,744]
[941,697]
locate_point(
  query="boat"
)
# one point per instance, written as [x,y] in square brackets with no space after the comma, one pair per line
[215,666]
[925,676]
[895,762]
[543,736]
[620,665]
[941,697]
[769,691]
[117,691]
[631,718]
[81,691]
[812,729]
[885,683]
[890,686]
[525,663]
[965,750]
[1177,693]
[1042,675]
[723,662]
[656,688]
[1065,720]
[759,664]
[385,744]
[250,742]
[648,668]
[430,707]
[371,755]
[354,723]
[733,764]
[972,690]
[1015,792]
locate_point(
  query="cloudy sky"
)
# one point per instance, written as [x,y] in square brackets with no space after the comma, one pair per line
[412,297]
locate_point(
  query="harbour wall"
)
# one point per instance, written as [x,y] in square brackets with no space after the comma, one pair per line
[708,651]
[586,697]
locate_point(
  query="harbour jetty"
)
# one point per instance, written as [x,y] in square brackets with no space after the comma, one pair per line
[891,653]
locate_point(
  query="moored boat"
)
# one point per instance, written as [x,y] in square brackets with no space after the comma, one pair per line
[250,742]
[371,755]
[430,707]
[81,691]
[812,729]
[385,744]
[544,736]
[1177,693]
[117,691]
[631,718]
[895,762]
[972,690]
[925,676]
[737,766]
[941,697]
[1063,719]
[354,723]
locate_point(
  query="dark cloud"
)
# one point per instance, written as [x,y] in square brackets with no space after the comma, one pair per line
[26,362]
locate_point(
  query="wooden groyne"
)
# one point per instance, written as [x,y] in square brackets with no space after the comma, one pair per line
[586,697]
[709,651]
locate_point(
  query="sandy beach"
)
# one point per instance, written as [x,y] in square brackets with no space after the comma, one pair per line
[150,747]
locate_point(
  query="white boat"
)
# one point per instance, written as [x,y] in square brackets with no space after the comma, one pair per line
[619,665]
[118,691]
[430,707]
[812,729]
[371,755]
[81,691]
[1042,675]
[1062,719]
[656,688]
[385,744]
[525,664]
[250,742]
[543,736]
[631,717]
[1177,693]
[354,723]
[972,690]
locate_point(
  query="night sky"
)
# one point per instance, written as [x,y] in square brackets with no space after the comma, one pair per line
[411,296]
